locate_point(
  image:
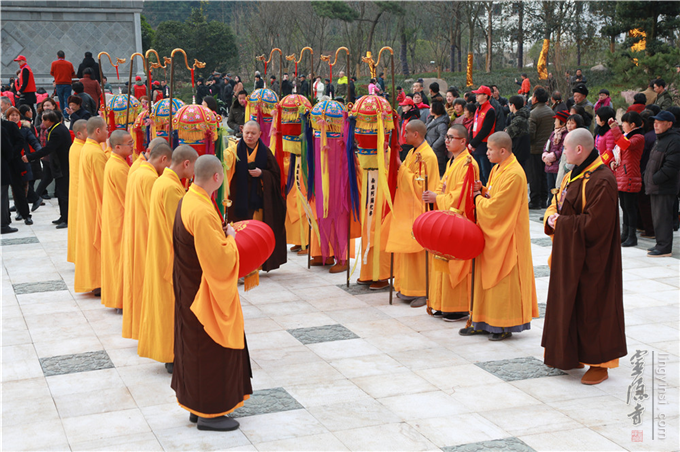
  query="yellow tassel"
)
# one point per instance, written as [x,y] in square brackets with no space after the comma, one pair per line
[290,116]
[325,178]
[251,280]
[248,110]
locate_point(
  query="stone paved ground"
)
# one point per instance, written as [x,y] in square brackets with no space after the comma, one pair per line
[333,369]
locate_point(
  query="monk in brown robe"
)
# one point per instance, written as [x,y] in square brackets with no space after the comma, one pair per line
[212,373]
[255,189]
[584,315]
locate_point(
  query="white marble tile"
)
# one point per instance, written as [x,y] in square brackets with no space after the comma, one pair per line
[379,328]
[389,437]
[96,380]
[560,388]
[264,428]
[530,419]
[351,415]
[274,310]
[401,342]
[361,366]
[281,357]
[322,442]
[307,320]
[137,442]
[36,435]
[335,350]
[327,393]
[21,370]
[657,332]
[27,411]
[14,353]
[261,325]
[377,386]
[94,402]
[25,390]
[68,346]
[427,358]
[581,439]
[499,396]
[191,438]
[592,411]
[337,303]
[305,373]
[460,429]
[319,292]
[166,416]
[364,314]
[123,357]
[273,339]
[449,379]
[423,406]
[104,425]
[664,439]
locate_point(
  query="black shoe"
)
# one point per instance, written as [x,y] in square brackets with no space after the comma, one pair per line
[28,221]
[500,336]
[624,233]
[13,209]
[57,221]
[19,217]
[193,418]
[36,204]
[541,219]
[533,206]
[97,292]
[658,253]
[169,367]
[45,196]
[437,313]
[454,316]
[217,424]
[62,225]
[470,331]
[9,230]
[630,241]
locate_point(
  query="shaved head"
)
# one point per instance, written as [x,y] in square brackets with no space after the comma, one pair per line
[159,151]
[94,123]
[252,123]
[79,126]
[182,153]
[502,140]
[417,126]
[118,137]
[206,167]
[581,137]
[156,141]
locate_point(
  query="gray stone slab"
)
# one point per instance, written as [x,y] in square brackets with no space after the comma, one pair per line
[265,401]
[545,241]
[541,271]
[43,286]
[496,445]
[535,215]
[355,289]
[19,241]
[326,333]
[541,310]
[519,369]
[81,362]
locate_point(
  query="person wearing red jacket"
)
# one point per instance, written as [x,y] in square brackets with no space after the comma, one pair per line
[26,84]
[626,168]
[139,88]
[90,85]
[639,103]
[525,86]
[63,74]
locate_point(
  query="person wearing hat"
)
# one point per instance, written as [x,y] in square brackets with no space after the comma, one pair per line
[156,91]
[139,89]
[661,181]
[581,99]
[603,99]
[553,150]
[483,126]
[330,89]
[409,112]
[26,84]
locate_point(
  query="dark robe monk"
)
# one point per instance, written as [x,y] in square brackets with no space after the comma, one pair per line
[255,189]
[584,316]
[212,373]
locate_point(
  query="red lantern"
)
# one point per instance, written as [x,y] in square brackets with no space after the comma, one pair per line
[255,242]
[449,235]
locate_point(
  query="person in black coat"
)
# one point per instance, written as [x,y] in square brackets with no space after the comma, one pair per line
[76,110]
[58,146]
[351,91]
[286,86]
[90,62]
[12,169]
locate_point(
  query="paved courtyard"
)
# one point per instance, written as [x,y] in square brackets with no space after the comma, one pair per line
[333,368]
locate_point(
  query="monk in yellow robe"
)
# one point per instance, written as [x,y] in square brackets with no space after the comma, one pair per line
[157,327]
[296,218]
[449,293]
[90,195]
[135,235]
[504,288]
[142,156]
[212,368]
[80,131]
[418,172]
[115,182]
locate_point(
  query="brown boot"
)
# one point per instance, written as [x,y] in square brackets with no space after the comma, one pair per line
[595,375]
[378,285]
[296,248]
[338,268]
[316,262]
[302,252]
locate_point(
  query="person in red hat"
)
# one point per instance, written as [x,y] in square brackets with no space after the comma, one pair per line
[409,111]
[26,84]
[553,150]
[483,126]
[139,89]
[156,91]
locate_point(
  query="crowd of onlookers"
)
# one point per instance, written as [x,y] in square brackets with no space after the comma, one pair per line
[643,150]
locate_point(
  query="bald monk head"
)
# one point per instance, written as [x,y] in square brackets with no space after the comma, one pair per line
[160,157]
[121,143]
[499,147]
[578,145]
[183,160]
[80,129]
[209,173]
[415,132]
[96,129]
[251,133]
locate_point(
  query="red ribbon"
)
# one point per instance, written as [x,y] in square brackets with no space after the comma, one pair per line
[265,69]
[331,77]
[117,76]
[296,69]
[192,77]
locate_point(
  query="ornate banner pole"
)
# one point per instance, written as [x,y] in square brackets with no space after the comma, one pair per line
[197,64]
[119,61]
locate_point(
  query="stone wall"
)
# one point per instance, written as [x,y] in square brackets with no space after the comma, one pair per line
[38,29]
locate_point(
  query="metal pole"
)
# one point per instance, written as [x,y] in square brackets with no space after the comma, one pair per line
[391,275]
[172,79]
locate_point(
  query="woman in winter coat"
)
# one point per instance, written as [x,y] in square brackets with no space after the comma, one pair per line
[604,138]
[553,150]
[437,126]
[626,168]
[424,108]
[30,140]
[409,112]
[32,145]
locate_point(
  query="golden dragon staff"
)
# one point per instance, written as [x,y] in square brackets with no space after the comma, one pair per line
[197,64]
[266,62]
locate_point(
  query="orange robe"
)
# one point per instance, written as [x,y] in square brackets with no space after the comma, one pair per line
[505,289]
[368,232]
[296,219]
[135,165]
[450,282]
[88,228]
[115,182]
[157,328]
[135,237]
[74,168]
[409,256]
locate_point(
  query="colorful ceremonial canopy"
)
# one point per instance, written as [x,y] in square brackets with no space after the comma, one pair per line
[373,122]
[197,126]
[118,106]
[260,106]
[292,108]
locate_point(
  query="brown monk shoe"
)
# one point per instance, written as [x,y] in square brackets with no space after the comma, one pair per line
[595,375]
[338,268]
[295,248]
